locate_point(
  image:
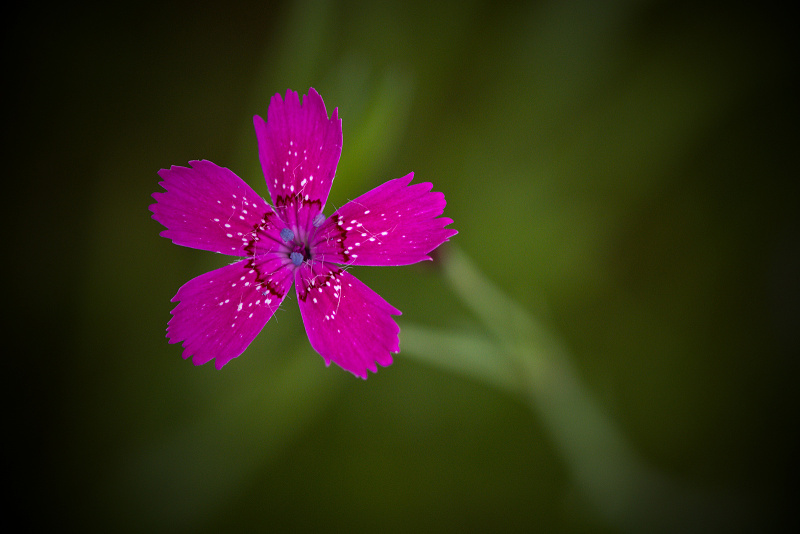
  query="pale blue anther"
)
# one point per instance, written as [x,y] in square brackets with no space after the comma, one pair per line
[297,258]
[287,235]
[318,220]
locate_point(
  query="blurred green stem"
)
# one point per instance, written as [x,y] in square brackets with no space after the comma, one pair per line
[520,355]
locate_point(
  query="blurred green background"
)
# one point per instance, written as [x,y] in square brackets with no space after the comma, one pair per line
[622,175]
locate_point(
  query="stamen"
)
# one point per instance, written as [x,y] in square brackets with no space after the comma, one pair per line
[287,235]
[319,219]
[297,258]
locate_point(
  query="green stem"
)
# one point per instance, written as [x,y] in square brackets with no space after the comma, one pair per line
[521,356]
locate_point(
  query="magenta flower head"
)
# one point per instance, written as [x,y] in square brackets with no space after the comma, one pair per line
[208,207]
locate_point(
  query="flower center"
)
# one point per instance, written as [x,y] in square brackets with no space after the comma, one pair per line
[295,247]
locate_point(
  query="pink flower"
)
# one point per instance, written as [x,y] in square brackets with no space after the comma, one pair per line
[208,207]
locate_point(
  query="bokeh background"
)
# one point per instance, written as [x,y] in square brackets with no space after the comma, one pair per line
[622,175]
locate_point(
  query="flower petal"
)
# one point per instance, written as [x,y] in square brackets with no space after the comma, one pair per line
[210,208]
[299,148]
[222,311]
[347,323]
[394,224]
